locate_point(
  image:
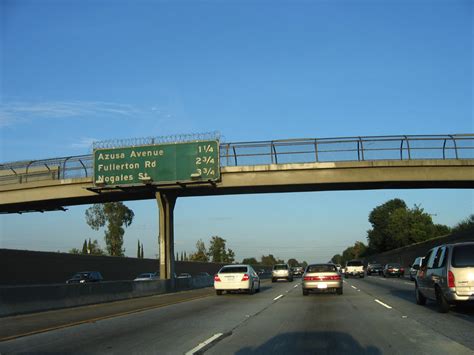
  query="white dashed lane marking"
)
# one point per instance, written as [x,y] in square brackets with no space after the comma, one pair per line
[383,304]
[204,343]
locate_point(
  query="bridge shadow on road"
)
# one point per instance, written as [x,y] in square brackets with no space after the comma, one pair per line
[311,343]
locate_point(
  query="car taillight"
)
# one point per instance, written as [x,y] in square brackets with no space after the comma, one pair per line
[451,279]
[245,278]
[322,278]
[390,270]
[216,278]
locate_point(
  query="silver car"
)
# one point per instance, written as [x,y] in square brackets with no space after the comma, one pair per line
[446,275]
[322,277]
[282,271]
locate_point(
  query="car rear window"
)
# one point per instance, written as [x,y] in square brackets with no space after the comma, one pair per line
[463,256]
[233,269]
[321,268]
[355,263]
[375,265]
[393,265]
[280,267]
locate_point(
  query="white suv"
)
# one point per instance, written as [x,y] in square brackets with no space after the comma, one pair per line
[354,268]
[282,271]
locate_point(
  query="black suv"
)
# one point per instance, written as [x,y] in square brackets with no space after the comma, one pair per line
[85,277]
[374,269]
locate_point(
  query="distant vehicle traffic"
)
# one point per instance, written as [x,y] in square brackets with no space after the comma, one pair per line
[236,278]
[322,277]
[415,267]
[85,277]
[282,271]
[354,268]
[203,274]
[446,275]
[298,271]
[393,269]
[147,276]
[376,269]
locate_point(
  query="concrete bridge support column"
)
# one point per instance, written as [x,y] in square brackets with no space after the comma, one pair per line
[166,202]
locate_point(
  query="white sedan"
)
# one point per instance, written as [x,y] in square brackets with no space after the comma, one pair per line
[236,278]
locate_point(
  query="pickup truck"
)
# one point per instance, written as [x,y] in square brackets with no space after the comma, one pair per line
[354,268]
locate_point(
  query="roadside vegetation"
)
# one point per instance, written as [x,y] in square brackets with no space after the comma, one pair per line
[395,225]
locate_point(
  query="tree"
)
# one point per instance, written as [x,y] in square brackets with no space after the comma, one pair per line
[230,256]
[337,259]
[142,253]
[465,225]
[88,248]
[270,260]
[84,247]
[201,252]
[217,251]
[251,261]
[379,236]
[356,251]
[114,215]
[293,262]
[94,248]
[138,249]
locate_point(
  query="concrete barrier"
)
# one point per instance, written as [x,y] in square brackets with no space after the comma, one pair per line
[406,255]
[27,299]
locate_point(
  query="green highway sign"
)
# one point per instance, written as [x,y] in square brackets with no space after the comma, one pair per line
[157,164]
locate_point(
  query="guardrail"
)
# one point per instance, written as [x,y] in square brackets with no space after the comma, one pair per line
[407,147]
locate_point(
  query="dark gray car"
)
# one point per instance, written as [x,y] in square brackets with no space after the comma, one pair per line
[85,277]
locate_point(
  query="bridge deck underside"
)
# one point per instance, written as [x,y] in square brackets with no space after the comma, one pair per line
[276,178]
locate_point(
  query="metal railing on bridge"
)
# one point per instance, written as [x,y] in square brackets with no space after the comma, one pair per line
[459,146]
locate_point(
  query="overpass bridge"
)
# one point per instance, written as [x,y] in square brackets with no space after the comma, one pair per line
[296,165]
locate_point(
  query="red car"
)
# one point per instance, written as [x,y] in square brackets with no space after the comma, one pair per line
[393,269]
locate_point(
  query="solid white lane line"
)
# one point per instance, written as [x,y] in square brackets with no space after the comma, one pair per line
[203,344]
[278,297]
[355,288]
[383,304]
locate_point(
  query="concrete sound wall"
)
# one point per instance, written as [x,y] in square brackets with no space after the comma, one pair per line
[23,267]
[406,255]
[34,298]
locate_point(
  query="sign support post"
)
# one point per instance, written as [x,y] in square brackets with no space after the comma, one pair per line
[166,202]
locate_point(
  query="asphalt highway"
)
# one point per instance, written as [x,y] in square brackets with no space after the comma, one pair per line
[373,316]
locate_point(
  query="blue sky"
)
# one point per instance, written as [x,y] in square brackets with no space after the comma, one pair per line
[80,71]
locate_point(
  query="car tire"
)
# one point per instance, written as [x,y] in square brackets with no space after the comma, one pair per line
[441,302]
[339,291]
[361,276]
[258,289]
[384,275]
[273,280]
[420,299]
[305,292]
[218,292]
